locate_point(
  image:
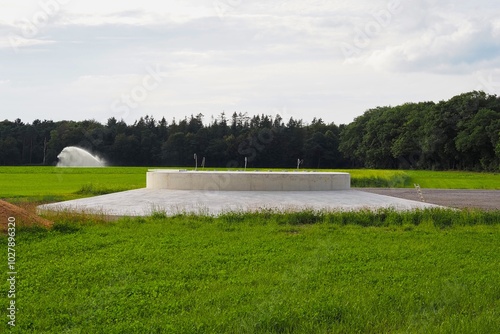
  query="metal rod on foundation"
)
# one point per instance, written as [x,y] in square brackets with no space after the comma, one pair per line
[299,162]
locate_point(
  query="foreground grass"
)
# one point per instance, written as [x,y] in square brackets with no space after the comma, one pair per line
[430,271]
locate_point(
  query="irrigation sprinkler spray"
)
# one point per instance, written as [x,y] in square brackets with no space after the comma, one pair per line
[196,162]
[246,161]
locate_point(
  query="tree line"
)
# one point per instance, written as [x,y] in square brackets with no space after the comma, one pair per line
[461,133]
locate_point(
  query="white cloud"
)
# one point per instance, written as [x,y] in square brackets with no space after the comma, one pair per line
[429,36]
[488,80]
[449,47]
[16,42]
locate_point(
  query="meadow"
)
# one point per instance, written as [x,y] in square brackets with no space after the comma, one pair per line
[430,271]
[421,272]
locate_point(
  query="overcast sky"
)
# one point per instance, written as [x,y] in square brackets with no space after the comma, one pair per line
[75,59]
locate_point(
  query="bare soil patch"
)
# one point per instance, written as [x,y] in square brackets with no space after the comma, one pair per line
[23,217]
[455,198]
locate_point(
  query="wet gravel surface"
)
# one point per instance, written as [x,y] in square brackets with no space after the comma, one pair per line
[455,198]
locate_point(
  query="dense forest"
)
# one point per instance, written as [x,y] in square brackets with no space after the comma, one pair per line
[461,133]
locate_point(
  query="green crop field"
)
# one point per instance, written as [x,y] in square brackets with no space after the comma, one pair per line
[426,179]
[455,180]
[385,272]
[49,184]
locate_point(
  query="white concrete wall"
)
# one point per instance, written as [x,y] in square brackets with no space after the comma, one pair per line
[247,181]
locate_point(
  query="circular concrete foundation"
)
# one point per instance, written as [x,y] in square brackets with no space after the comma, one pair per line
[247,181]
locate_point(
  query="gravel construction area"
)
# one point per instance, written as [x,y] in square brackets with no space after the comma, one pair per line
[455,198]
[144,202]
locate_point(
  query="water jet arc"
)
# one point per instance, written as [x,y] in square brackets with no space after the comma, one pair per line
[72,156]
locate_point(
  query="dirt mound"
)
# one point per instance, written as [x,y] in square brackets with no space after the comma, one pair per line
[22,216]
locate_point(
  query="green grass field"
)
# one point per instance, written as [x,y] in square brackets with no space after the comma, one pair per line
[455,180]
[426,179]
[424,272]
[49,184]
